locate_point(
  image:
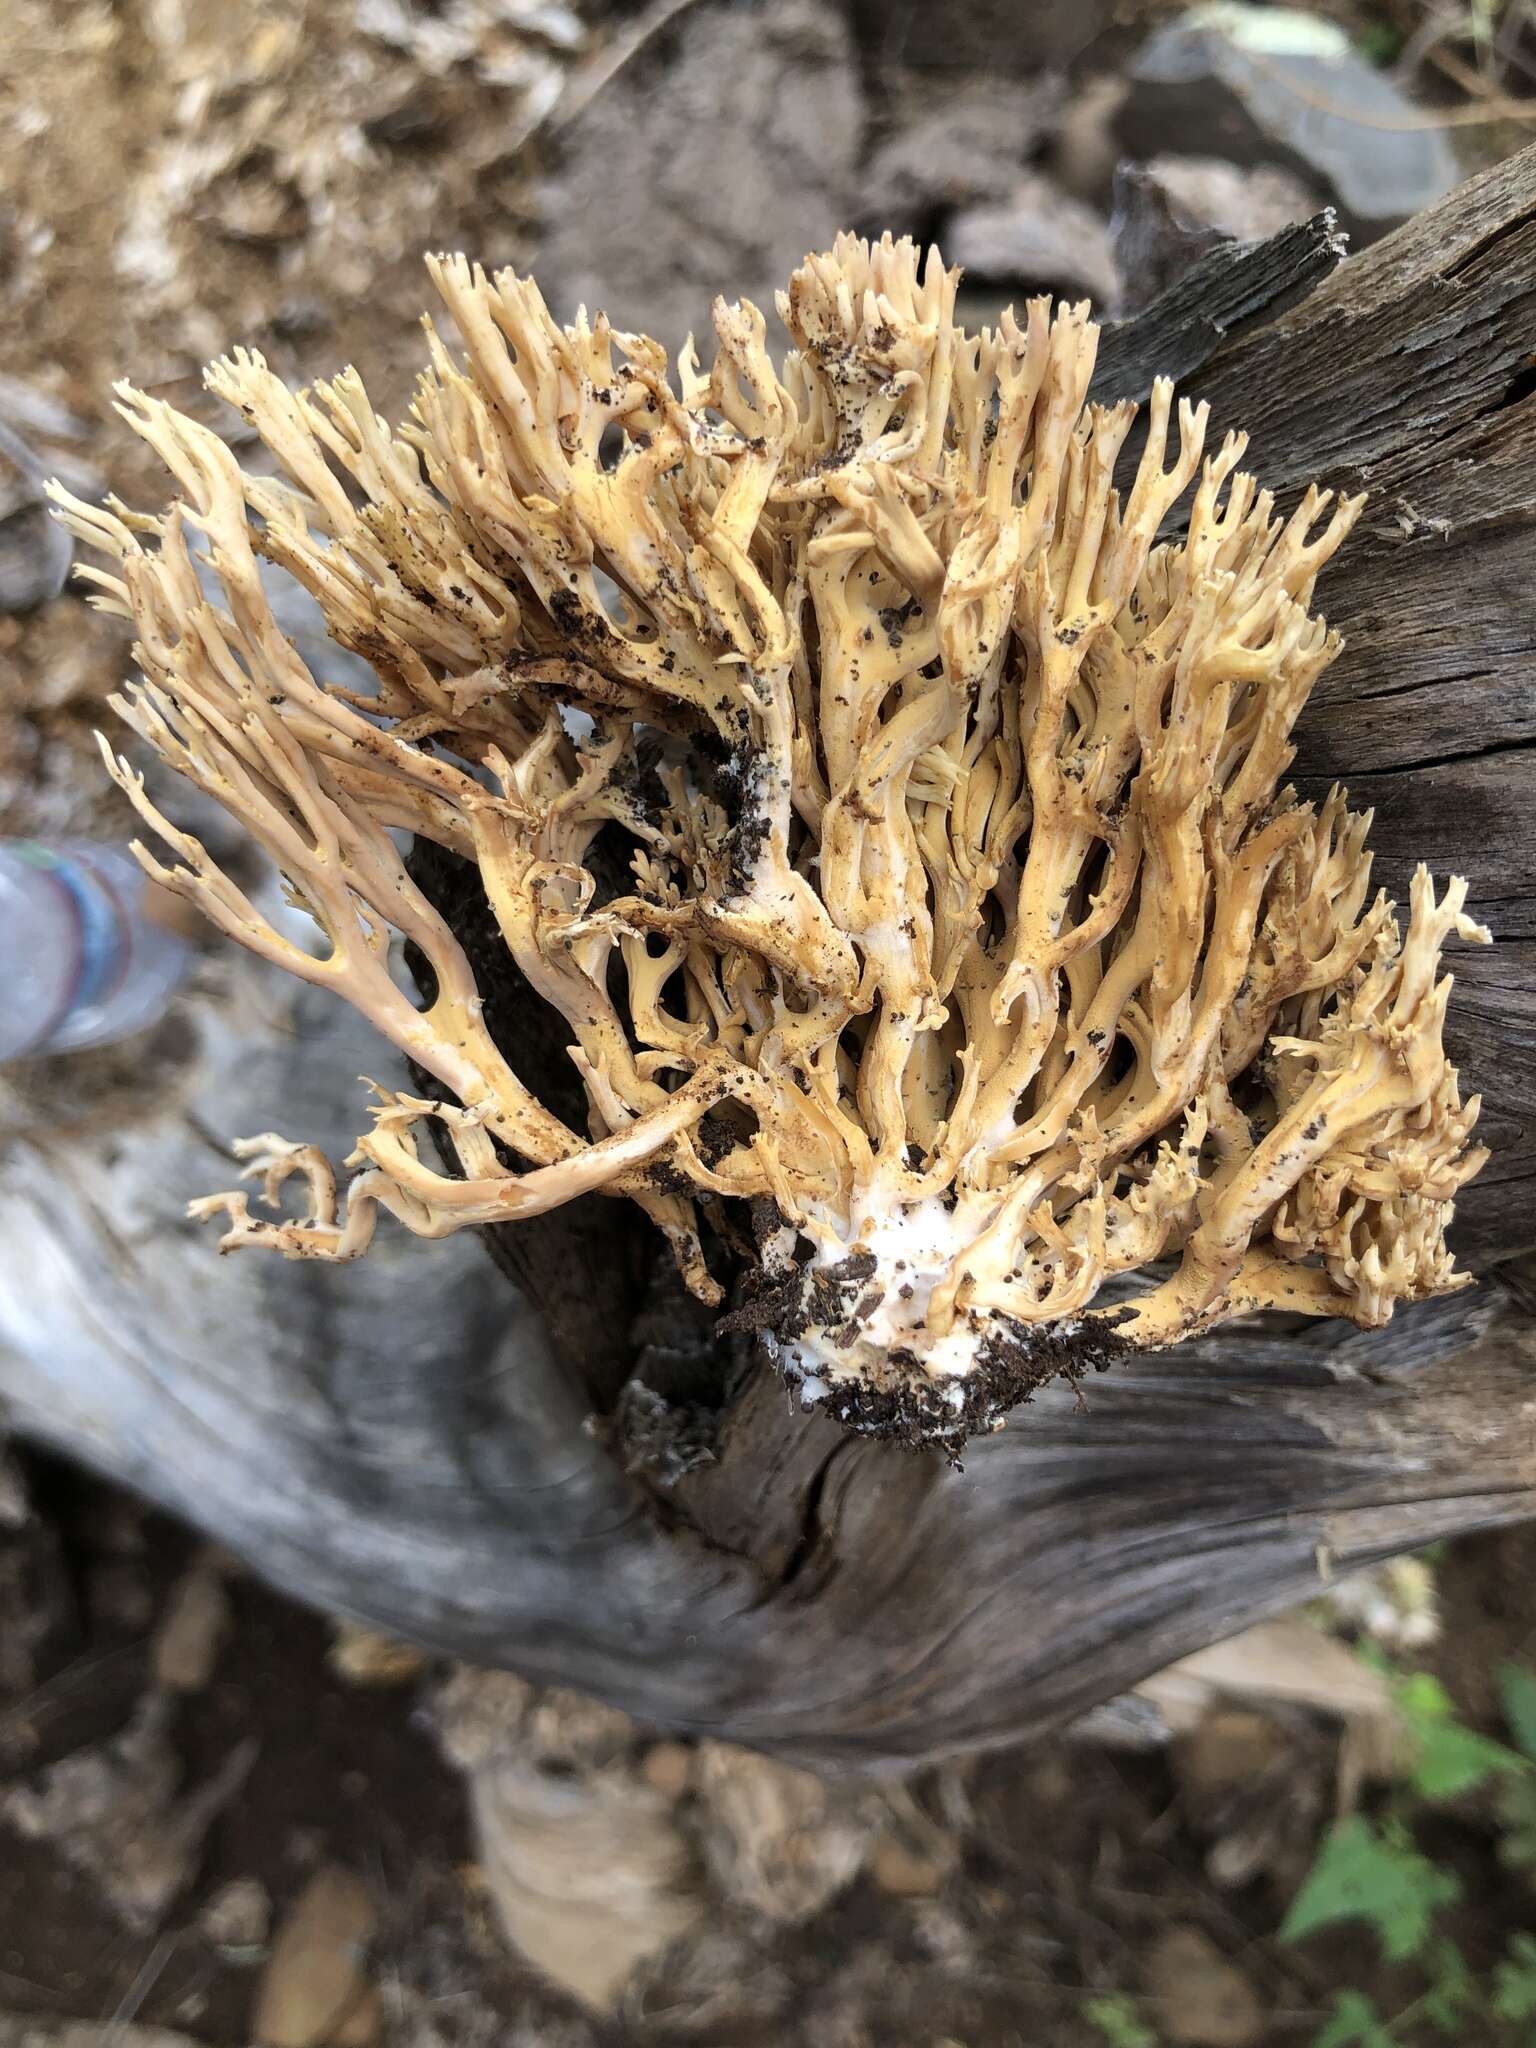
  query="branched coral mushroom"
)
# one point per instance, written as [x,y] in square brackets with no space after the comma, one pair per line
[895,823]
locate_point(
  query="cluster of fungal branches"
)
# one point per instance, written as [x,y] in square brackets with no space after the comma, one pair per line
[896,824]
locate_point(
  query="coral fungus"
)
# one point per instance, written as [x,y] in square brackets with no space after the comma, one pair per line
[895,821]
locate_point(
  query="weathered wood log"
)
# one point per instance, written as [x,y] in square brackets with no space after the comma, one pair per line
[408,1444]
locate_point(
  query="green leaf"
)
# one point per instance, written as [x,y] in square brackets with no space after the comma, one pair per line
[1514,1981]
[1355,2024]
[1379,1877]
[1450,1760]
[1119,2022]
[1517,1690]
[1423,1701]
[1517,1822]
[1452,1992]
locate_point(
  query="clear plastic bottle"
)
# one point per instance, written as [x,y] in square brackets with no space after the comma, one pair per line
[84,957]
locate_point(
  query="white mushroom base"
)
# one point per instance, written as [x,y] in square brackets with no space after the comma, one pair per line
[850,1332]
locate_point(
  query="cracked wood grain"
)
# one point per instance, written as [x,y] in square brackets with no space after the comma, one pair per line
[1409,372]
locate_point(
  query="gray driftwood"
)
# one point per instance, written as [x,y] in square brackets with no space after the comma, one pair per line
[576,1480]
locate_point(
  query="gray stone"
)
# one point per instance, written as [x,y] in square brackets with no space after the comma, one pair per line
[1259,84]
[950,143]
[722,153]
[1040,239]
[35,552]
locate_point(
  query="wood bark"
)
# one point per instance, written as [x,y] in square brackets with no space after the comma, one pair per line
[580,1481]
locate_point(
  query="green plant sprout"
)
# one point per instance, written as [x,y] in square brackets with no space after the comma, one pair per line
[1374,1870]
[1117,2018]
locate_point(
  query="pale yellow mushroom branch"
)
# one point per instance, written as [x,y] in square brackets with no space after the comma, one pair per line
[882,778]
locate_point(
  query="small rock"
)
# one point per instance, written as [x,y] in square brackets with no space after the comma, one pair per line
[186,1642]
[668,1766]
[1037,238]
[587,1870]
[1126,1722]
[950,144]
[37,437]
[35,552]
[581,1850]
[479,1715]
[730,147]
[365,1657]
[238,1916]
[1230,1747]
[1202,2000]
[904,1872]
[779,1842]
[314,1984]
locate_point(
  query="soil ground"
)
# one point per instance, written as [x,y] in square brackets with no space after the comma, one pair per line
[1074,1863]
